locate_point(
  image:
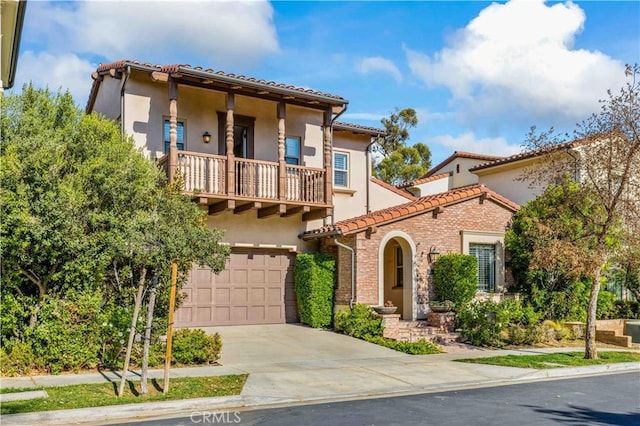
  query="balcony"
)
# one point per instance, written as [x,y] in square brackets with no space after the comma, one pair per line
[222,183]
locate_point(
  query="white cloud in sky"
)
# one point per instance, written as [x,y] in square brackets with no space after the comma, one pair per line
[64,71]
[468,142]
[224,33]
[378,64]
[518,59]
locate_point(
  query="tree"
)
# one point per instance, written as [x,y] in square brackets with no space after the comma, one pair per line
[400,162]
[83,209]
[603,162]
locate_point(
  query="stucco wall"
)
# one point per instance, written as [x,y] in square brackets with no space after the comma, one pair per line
[107,101]
[506,183]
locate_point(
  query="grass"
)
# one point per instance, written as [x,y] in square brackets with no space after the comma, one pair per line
[555,360]
[97,395]
[421,347]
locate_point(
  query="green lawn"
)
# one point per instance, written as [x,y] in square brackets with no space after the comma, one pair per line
[556,360]
[96,395]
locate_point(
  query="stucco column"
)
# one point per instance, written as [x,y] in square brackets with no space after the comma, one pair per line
[173,130]
[328,179]
[282,113]
[231,166]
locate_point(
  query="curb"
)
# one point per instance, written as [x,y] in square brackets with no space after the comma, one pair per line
[150,410]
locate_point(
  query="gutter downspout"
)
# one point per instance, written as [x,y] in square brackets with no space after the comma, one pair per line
[124,82]
[335,237]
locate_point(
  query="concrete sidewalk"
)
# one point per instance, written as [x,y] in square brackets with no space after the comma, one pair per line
[288,378]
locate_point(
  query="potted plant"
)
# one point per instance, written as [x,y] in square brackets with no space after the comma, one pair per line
[437,306]
[388,308]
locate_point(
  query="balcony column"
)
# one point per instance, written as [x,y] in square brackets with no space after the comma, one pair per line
[231,166]
[328,169]
[173,130]
[282,113]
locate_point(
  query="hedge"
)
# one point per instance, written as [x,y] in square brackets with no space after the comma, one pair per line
[314,278]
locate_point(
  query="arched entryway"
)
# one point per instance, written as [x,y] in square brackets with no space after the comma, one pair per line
[396,273]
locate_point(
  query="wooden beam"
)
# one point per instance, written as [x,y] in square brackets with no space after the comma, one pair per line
[295,210]
[438,210]
[272,210]
[317,214]
[159,76]
[247,207]
[221,207]
[200,200]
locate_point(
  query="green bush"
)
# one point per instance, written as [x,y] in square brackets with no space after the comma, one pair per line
[495,324]
[628,309]
[194,346]
[606,308]
[359,322]
[421,347]
[314,282]
[17,360]
[455,278]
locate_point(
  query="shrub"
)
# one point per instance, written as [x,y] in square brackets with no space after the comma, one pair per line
[628,309]
[314,278]
[17,359]
[421,347]
[489,323]
[194,346]
[359,322]
[606,308]
[455,278]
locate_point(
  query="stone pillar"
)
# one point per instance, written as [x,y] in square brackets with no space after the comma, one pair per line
[391,324]
[231,161]
[173,130]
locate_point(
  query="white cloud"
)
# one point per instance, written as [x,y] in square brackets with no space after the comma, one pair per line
[65,71]
[379,64]
[518,59]
[468,142]
[220,33]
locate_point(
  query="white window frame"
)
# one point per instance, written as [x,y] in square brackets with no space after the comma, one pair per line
[494,238]
[346,171]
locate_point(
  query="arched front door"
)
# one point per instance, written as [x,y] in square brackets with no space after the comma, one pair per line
[396,281]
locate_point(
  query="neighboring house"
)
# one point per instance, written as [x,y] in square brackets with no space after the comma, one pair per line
[394,248]
[267,161]
[11,21]
[451,173]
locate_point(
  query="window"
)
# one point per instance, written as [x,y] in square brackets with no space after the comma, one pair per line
[399,267]
[292,150]
[341,169]
[486,255]
[180,129]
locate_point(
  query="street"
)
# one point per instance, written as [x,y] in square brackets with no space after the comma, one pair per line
[597,400]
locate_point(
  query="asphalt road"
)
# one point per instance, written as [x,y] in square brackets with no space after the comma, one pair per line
[597,400]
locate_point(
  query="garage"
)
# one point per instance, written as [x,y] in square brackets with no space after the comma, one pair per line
[256,288]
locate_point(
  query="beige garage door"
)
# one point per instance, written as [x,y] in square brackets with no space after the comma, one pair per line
[256,288]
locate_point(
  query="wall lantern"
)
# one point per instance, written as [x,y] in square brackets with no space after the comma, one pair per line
[206,137]
[433,254]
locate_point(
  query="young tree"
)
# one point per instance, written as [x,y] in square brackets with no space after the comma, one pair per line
[400,162]
[603,162]
[83,209]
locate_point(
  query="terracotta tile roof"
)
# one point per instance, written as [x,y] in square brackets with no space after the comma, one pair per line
[356,128]
[392,188]
[420,206]
[216,76]
[460,154]
[423,180]
[528,154]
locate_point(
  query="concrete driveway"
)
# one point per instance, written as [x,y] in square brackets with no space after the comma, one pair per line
[251,346]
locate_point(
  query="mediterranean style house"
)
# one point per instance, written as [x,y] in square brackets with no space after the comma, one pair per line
[274,168]
[267,161]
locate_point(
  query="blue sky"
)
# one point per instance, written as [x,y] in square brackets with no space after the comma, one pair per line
[478,73]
